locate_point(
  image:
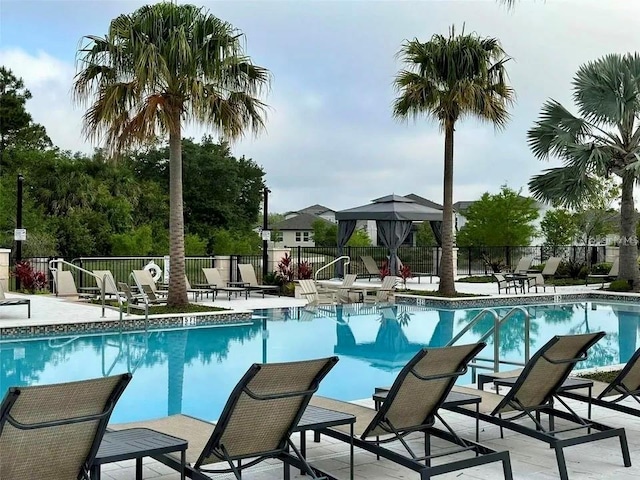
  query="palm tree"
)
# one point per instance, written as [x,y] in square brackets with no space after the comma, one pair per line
[447,79]
[603,140]
[157,68]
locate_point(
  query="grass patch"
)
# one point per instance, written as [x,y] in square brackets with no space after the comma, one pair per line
[477,279]
[163,309]
[435,293]
[606,377]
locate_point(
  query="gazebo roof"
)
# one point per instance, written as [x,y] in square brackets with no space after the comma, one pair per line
[391,207]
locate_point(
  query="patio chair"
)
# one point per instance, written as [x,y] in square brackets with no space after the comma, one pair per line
[625,385]
[535,391]
[523,265]
[66,285]
[248,277]
[613,273]
[411,406]
[551,267]
[8,302]
[371,267]
[143,277]
[255,424]
[537,280]
[198,292]
[384,293]
[110,288]
[504,284]
[309,291]
[214,280]
[54,431]
[342,290]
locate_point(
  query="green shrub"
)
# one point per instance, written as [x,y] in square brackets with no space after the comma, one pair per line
[601,268]
[619,286]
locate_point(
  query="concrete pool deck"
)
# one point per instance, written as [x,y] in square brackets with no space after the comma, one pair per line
[51,310]
[530,459]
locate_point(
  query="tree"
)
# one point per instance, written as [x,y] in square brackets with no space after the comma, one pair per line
[503,219]
[425,236]
[603,140]
[559,227]
[16,125]
[160,66]
[446,79]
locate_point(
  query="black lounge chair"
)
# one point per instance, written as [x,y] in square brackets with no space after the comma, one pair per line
[535,392]
[7,302]
[54,431]
[411,406]
[625,385]
[255,424]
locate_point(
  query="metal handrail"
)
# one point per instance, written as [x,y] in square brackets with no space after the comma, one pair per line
[495,331]
[315,276]
[54,269]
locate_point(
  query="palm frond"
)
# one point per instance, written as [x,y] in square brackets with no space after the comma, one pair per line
[564,186]
[450,77]
[161,63]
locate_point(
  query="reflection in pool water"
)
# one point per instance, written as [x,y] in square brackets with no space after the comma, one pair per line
[193,370]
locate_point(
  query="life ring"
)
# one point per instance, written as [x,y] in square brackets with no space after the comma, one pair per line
[155,271]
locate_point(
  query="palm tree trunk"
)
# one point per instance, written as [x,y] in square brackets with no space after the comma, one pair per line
[177,287]
[628,240]
[447,285]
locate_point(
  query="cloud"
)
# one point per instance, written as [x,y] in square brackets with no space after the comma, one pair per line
[330,137]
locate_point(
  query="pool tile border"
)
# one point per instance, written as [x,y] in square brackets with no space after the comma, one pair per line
[127,325]
[512,300]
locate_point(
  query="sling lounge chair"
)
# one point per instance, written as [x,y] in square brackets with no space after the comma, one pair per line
[66,285]
[7,302]
[609,395]
[54,431]
[255,424]
[198,292]
[613,273]
[371,266]
[110,284]
[143,277]
[523,265]
[214,281]
[535,391]
[537,281]
[551,266]
[248,276]
[411,406]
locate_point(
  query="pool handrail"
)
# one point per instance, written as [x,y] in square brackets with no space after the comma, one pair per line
[53,267]
[343,257]
[495,331]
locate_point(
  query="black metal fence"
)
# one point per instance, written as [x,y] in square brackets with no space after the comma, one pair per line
[471,261]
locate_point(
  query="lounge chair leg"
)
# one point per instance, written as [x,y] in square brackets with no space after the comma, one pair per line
[427,449]
[624,446]
[506,467]
[562,465]
[501,429]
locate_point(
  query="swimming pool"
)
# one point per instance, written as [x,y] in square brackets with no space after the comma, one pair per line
[193,370]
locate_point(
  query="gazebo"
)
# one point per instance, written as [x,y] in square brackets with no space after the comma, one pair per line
[394,215]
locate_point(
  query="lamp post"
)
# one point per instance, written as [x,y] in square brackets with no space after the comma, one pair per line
[265,228]
[19,225]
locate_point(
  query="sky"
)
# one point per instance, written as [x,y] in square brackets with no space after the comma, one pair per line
[330,137]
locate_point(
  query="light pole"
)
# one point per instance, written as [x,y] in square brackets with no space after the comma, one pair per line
[265,228]
[19,225]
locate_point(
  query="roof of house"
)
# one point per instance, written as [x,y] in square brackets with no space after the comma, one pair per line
[424,201]
[316,209]
[303,221]
[462,206]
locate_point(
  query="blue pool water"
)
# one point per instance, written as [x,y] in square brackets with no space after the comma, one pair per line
[193,370]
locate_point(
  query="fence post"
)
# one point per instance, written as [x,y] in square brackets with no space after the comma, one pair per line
[349,254]
[469,259]
[507,256]
[541,252]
